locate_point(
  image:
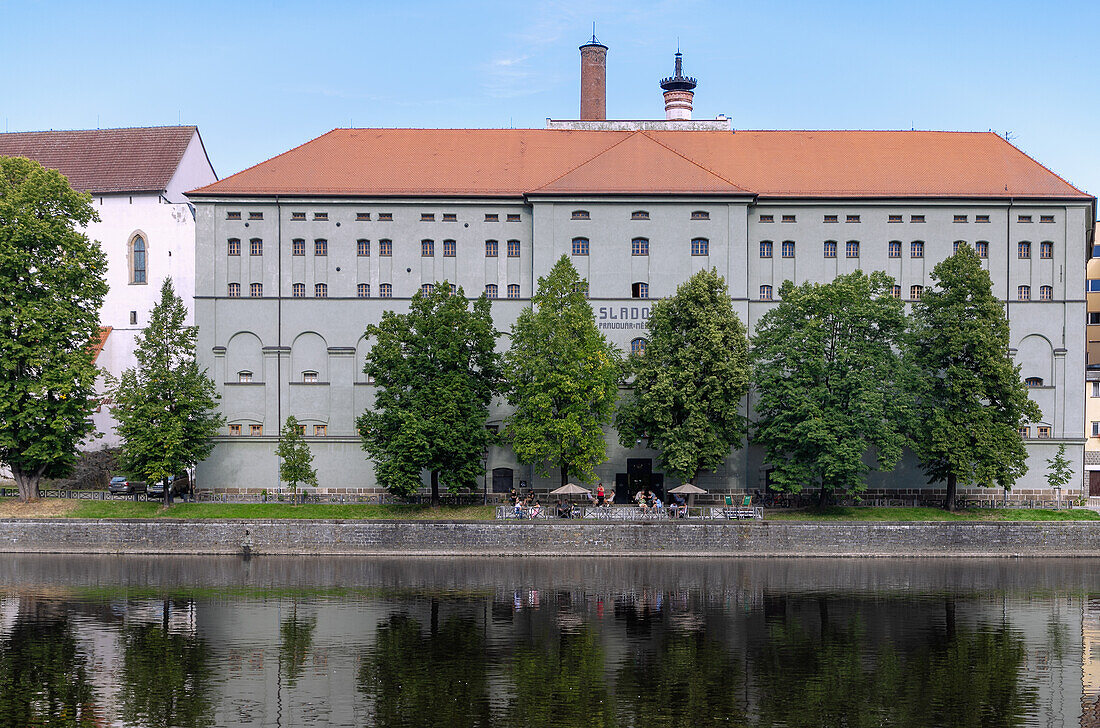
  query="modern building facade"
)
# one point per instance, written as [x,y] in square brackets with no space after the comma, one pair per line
[297,255]
[137,178]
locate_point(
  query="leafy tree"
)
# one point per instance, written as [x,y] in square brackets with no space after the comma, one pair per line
[297,459]
[563,378]
[689,380]
[436,370]
[1060,470]
[830,382]
[165,406]
[970,400]
[51,287]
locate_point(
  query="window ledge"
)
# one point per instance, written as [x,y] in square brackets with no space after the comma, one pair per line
[245,384]
[309,384]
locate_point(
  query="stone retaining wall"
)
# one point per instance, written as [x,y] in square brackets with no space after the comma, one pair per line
[548,538]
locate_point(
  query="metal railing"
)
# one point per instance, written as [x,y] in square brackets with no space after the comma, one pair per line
[632,513]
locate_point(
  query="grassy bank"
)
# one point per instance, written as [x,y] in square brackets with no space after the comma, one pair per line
[838,513]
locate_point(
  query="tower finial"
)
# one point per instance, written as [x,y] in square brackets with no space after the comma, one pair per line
[679,90]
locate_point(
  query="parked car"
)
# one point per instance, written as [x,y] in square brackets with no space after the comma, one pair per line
[179,485]
[120,485]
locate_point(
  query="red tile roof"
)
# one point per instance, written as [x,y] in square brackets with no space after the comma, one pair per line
[106,160]
[515,162]
[99,341]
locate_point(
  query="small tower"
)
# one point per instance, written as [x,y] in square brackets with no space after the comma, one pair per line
[679,92]
[593,80]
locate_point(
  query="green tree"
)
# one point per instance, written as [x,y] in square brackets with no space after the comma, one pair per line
[51,287]
[970,400]
[563,378]
[297,459]
[165,406]
[830,382]
[1059,469]
[436,371]
[689,380]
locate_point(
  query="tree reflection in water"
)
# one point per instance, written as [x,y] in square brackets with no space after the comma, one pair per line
[43,675]
[296,637]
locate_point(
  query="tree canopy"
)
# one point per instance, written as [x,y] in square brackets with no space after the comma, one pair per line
[296,460]
[563,378]
[166,405]
[689,380]
[436,371]
[970,401]
[830,383]
[51,288]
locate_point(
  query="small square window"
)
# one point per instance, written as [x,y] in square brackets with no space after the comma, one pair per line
[851,218]
[639,290]
[916,218]
[234,291]
[427,217]
[309,377]
[492,248]
[580,246]
[427,248]
[133,317]
[788,218]
[256,290]
[320,247]
[1046,218]
[765,248]
[298,247]
[1023,218]
[830,249]
[234,247]
[385,248]
[788,249]
[427,288]
[1025,432]
[1046,293]
[491,290]
[235,430]
[256,430]
[893,218]
[959,218]
[700,246]
[1023,249]
[700,215]
[320,216]
[513,248]
[362,290]
[915,292]
[362,248]
[1095,389]
[1046,249]
[916,249]
[255,247]
[765,293]
[981,218]
[298,290]
[385,217]
[894,250]
[579,215]
[1095,424]
[514,217]
[385,290]
[320,430]
[639,215]
[362,217]
[450,217]
[851,249]
[232,216]
[831,218]
[255,216]
[492,217]
[513,292]
[767,218]
[449,248]
[1023,293]
[320,290]
[297,216]
[1044,433]
[895,291]
[982,249]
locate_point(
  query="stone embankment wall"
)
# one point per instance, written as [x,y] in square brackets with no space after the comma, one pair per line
[548,539]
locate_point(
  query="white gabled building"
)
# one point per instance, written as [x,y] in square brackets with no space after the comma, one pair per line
[137,178]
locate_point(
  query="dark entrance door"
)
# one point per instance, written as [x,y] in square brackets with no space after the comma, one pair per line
[639,475]
[502,480]
[1094,482]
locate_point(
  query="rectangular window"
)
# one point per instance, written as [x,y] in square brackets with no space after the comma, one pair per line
[579,215]
[234,247]
[427,248]
[320,290]
[959,218]
[427,217]
[362,248]
[385,290]
[767,218]
[1023,293]
[639,290]
[363,290]
[449,248]
[362,217]
[893,218]
[700,215]
[1046,218]
[788,249]
[298,290]
[831,218]
[233,291]
[1046,293]
[765,293]
[255,247]
[298,247]
[830,249]
[915,292]
[320,430]
[255,216]
[320,247]
[514,217]
[385,217]
[788,218]
[297,216]
[450,217]
[851,249]
[639,215]
[1095,389]
[309,377]
[916,249]
[256,430]
[851,218]
[256,290]
[235,430]
[1093,285]
[982,249]
[232,216]
[1023,218]
[895,249]
[320,216]
[492,217]
[513,248]
[981,218]
[1044,432]
[1024,249]
[385,248]
[513,292]
[1046,249]
[916,218]
[700,246]
[580,246]
[492,248]
[1095,425]
[1094,318]
[491,290]
[765,248]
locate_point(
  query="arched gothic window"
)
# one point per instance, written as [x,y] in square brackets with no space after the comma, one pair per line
[138,273]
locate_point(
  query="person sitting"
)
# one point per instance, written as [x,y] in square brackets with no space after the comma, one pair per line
[658,505]
[563,510]
[536,509]
[678,509]
[639,498]
[517,507]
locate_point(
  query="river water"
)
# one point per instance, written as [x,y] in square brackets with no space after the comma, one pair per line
[221,641]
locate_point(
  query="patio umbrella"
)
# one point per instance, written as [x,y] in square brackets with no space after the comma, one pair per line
[569,489]
[689,490]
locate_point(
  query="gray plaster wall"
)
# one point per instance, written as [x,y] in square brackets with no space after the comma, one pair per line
[549,538]
[278,338]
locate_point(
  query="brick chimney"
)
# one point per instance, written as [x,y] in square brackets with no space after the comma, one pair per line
[593,81]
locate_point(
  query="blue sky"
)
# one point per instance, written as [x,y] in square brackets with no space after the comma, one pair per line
[261,77]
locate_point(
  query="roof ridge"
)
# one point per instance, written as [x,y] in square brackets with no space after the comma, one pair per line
[692,161]
[106,128]
[265,161]
[1033,159]
[587,161]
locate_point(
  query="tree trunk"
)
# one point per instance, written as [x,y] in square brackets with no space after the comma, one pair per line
[167,493]
[949,502]
[28,484]
[435,489]
[564,473]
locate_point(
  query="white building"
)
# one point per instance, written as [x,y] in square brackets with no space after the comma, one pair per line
[137,178]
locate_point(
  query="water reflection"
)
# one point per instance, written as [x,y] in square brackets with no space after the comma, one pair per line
[300,642]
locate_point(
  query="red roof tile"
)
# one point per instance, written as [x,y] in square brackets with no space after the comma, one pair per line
[99,341]
[515,162]
[106,160]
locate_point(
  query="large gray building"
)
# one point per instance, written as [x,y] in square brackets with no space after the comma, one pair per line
[296,255]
